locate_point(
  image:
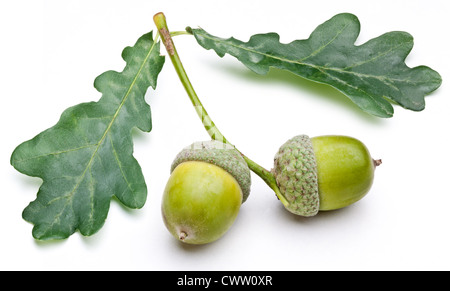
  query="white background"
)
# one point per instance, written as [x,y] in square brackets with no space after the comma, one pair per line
[52,51]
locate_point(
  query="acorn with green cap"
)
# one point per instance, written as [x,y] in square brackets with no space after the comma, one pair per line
[323,173]
[208,183]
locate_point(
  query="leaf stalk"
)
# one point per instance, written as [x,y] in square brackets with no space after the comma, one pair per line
[166,37]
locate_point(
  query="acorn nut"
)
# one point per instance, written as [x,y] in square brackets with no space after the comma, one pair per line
[208,183]
[323,173]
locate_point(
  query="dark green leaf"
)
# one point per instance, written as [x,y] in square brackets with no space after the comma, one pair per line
[87,157]
[369,74]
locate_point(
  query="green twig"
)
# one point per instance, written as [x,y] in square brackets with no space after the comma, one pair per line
[209,125]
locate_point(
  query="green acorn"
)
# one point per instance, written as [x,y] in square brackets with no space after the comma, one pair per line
[323,173]
[208,183]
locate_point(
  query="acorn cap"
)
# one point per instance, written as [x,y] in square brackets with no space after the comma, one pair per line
[219,154]
[295,171]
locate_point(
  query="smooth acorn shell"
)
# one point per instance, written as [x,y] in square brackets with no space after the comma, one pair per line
[345,170]
[200,202]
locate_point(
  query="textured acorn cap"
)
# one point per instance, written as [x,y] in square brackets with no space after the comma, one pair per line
[221,155]
[295,171]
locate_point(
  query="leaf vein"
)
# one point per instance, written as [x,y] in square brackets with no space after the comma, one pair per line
[119,163]
[321,48]
[55,153]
